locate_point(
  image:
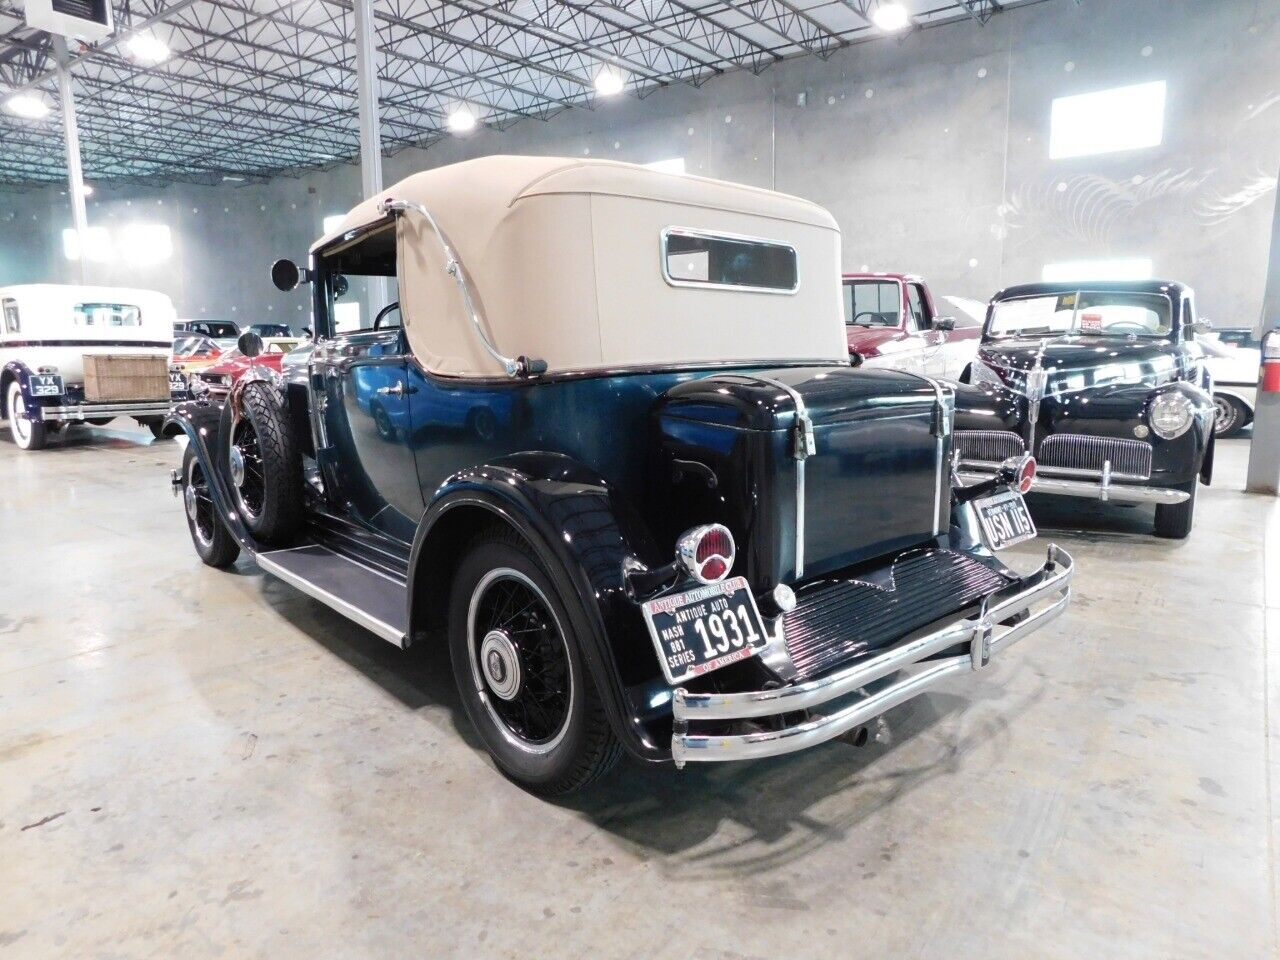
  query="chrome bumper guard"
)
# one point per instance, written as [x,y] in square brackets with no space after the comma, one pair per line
[91,411]
[1050,585]
[1097,486]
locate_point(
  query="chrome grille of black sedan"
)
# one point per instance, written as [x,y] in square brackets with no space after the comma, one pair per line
[1074,451]
[992,446]
[836,621]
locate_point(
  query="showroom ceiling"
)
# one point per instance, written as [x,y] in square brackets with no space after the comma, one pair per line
[206,89]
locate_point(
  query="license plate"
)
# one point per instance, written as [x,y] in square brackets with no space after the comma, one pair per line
[704,629]
[1005,519]
[177,382]
[44,385]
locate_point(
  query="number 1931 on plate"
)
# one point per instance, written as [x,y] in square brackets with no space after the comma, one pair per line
[705,628]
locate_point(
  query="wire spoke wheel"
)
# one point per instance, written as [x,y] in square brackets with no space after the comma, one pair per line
[199,504]
[519,660]
[246,467]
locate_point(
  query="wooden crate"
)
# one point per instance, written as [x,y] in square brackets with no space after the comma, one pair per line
[117,377]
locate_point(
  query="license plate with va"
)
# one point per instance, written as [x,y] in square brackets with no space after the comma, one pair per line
[705,628]
[1005,519]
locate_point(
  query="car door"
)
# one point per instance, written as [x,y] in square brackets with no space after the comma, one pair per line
[366,412]
[933,343]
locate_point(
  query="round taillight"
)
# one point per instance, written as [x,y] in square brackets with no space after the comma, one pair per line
[1027,474]
[707,552]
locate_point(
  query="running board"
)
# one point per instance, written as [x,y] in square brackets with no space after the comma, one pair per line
[371,599]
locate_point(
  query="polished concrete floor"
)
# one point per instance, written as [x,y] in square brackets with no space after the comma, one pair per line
[201,764]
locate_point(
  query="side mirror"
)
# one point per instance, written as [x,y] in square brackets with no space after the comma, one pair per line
[250,344]
[306,332]
[944,323]
[286,275]
[340,286]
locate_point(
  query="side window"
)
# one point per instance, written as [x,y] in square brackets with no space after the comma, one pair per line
[915,303]
[357,283]
[11,324]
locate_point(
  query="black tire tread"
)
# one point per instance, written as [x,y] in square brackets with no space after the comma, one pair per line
[281,465]
[223,551]
[1174,520]
[600,749]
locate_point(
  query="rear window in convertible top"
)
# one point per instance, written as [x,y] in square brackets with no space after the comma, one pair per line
[693,258]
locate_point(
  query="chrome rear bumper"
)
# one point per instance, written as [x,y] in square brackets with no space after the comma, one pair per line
[1049,589]
[92,411]
[1096,487]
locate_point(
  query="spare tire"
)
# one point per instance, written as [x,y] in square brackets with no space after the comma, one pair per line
[263,465]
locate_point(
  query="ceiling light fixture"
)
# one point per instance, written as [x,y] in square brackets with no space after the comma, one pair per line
[890,17]
[32,106]
[462,120]
[608,83]
[147,48]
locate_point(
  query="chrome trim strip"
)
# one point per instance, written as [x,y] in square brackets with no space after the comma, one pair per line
[348,610]
[1117,493]
[91,411]
[804,445]
[990,467]
[978,631]
[666,233]
[453,267]
[946,401]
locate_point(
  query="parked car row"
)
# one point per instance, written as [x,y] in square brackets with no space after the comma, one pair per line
[646,501]
[679,505]
[87,355]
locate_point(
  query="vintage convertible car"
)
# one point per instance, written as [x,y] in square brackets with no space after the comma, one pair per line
[689,529]
[75,354]
[1105,383]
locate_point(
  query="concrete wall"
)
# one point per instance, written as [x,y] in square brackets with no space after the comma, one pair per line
[931,151]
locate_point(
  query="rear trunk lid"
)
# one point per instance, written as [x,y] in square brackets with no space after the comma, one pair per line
[814,468]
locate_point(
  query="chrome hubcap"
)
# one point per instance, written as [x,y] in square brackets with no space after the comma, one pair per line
[237,466]
[189,500]
[501,664]
[1223,412]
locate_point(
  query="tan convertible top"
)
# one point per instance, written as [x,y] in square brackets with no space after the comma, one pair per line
[565,256]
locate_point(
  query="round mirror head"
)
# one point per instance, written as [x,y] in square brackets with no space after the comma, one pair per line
[340,285]
[285,275]
[250,344]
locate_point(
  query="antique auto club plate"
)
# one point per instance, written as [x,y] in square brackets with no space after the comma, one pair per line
[705,628]
[1005,519]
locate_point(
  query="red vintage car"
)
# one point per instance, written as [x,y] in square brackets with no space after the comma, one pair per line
[233,364]
[891,321]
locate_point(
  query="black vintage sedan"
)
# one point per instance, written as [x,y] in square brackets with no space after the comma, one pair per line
[1104,383]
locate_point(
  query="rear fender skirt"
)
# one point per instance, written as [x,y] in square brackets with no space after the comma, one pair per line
[201,421]
[582,531]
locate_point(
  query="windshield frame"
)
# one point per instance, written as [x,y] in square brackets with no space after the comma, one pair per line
[1175,319]
[896,282]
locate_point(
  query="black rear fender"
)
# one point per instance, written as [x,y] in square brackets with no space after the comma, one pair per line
[582,531]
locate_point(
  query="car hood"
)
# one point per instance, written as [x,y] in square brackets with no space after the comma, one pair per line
[1075,362]
[868,339]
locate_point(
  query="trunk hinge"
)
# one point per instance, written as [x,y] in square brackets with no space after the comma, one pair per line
[803,445]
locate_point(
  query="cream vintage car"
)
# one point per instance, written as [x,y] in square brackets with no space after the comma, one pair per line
[601,437]
[77,354]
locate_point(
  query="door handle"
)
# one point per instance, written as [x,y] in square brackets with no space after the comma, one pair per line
[399,390]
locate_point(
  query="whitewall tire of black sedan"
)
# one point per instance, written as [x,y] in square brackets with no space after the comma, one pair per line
[27,434]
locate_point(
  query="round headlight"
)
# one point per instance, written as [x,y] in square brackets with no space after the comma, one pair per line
[1170,415]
